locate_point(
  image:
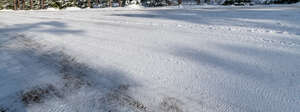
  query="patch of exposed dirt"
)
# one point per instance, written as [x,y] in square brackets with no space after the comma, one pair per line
[39,94]
[119,96]
[170,104]
[73,73]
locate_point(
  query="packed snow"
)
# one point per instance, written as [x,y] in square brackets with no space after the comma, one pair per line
[217,59]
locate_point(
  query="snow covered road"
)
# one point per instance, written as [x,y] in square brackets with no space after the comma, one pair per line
[158,60]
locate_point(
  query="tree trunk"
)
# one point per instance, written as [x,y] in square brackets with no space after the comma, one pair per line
[167,2]
[74,2]
[123,3]
[109,3]
[120,3]
[15,5]
[23,4]
[89,3]
[179,2]
[31,4]
[42,4]
[97,2]
[18,6]
[198,2]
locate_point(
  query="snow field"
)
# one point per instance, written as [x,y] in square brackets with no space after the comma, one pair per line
[163,59]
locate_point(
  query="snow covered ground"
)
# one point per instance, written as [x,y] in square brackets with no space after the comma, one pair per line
[211,59]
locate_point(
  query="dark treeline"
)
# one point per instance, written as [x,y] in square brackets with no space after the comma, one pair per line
[42,4]
[242,2]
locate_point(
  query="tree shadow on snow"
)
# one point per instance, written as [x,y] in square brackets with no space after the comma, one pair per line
[278,61]
[50,27]
[244,17]
[276,71]
[32,76]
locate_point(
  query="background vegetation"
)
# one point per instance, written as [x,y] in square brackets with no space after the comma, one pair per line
[61,4]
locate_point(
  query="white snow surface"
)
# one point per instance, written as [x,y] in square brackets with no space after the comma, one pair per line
[73,8]
[53,9]
[151,60]
[134,6]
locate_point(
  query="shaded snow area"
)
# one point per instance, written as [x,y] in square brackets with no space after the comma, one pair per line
[221,59]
